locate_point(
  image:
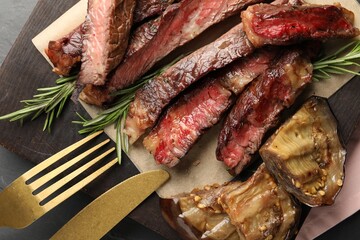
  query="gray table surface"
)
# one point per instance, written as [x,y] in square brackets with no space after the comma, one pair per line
[13,15]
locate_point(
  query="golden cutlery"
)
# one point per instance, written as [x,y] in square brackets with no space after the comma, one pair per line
[21,204]
[102,214]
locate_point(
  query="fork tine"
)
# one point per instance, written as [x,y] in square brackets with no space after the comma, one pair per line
[70,191]
[57,185]
[50,175]
[41,166]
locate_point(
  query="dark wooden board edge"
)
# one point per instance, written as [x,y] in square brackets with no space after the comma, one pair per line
[28,70]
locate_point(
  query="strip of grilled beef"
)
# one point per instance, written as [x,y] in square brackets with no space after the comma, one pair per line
[142,35]
[185,121]
[155,95]
[65,53]
[284,24]
[149,8]
[258,107]
[202,107]
[180,23]
[107,27]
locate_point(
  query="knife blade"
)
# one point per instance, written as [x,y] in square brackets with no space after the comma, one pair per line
[102,214]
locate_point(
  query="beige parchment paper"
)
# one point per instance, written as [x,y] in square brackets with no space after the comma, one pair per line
[199,167]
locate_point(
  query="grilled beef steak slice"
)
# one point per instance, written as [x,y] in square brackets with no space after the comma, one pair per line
[156,94]
[258,107]
[107,27]
[138,39]
[180,23]
[149,8]
[65,53]
[185,121]
[201,108]
[142,35]
[285,24]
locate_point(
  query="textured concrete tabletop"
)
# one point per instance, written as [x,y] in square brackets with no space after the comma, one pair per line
[13,15]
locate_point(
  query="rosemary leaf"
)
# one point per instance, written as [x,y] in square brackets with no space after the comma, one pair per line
[337,63]
[48,101]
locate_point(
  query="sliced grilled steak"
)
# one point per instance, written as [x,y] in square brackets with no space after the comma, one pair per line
[185,121]
[202,107]
[285,24]
[149,8]
[139,37]
[65,53]
[258,107]
[180,23]
[155,95]
[107,27]
[142,35]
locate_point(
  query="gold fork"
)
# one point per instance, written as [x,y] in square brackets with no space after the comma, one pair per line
[21,205]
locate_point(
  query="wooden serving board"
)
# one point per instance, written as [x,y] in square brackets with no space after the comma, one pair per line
[24,70]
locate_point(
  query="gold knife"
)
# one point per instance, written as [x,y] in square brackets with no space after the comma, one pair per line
[102,214]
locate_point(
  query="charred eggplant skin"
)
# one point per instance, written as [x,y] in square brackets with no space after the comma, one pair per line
[306,154]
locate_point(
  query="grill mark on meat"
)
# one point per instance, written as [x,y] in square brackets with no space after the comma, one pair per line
[202,107]
[65,53]
[187,19]
[96,95]
[142,35]
[107,27]
[238,74]
[284,24]
[148,8]
[258,107]
[156,94]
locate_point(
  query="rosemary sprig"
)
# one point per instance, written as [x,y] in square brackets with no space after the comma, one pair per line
[49,101]
[338,62]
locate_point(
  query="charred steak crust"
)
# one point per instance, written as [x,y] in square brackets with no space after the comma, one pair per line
[142,35]
[65,53]
[107,27]
[187,19]
[155,95]
[285,24]
[97,95]
[258,107]
[149,8]
[202,107]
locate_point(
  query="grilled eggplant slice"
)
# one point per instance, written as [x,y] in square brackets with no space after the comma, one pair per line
[199,215]
[261,209]
[306,155]
[255,209]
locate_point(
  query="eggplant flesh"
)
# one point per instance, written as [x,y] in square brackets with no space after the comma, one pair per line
[255,209]
[306,155]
